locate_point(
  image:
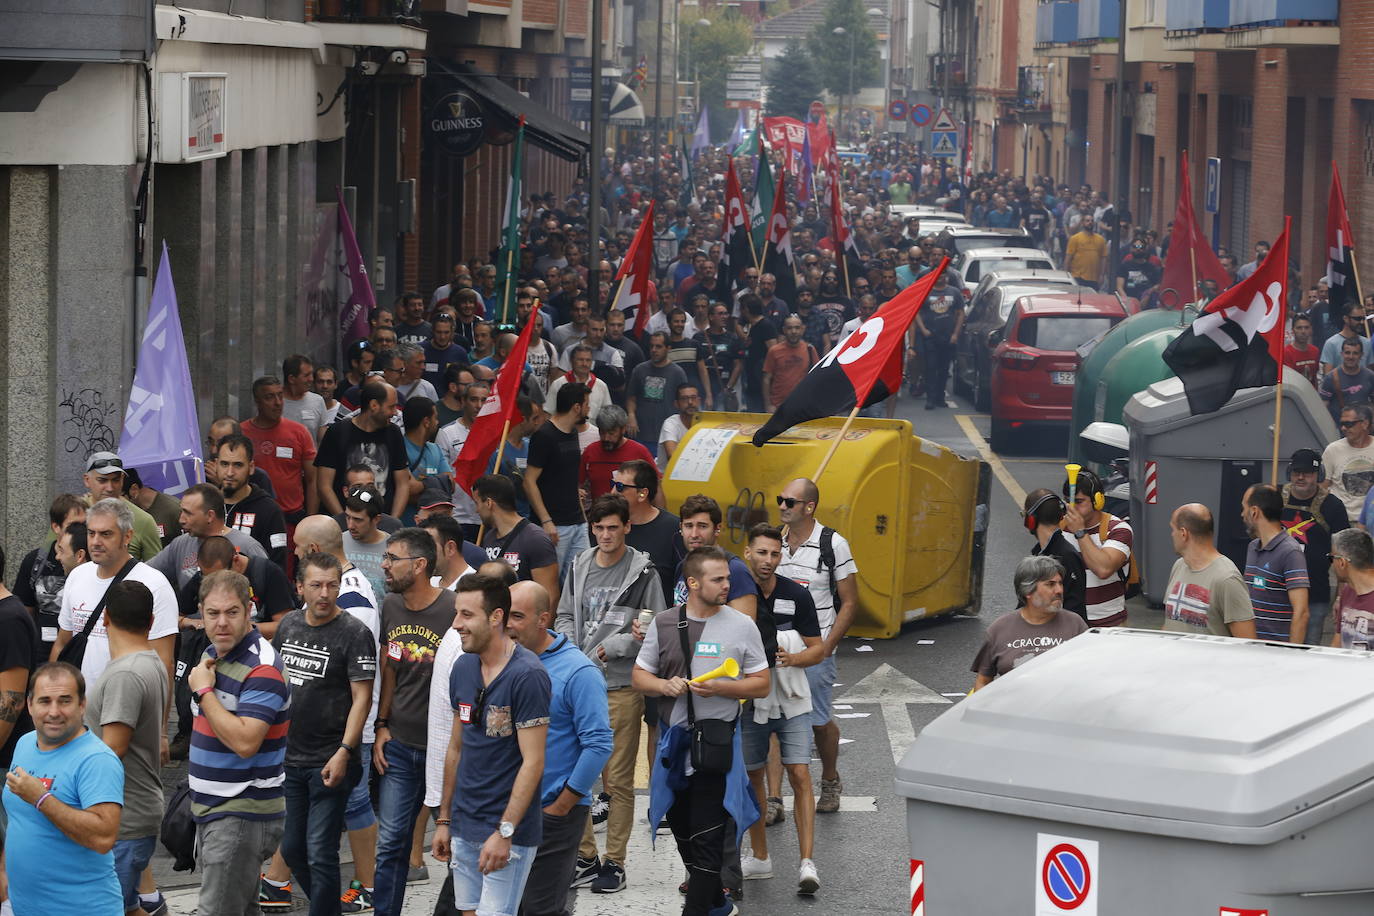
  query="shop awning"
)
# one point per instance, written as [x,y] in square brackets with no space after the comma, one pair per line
[506,104]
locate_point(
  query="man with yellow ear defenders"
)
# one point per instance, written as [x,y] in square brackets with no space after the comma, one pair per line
[1042,513]
[1104,541]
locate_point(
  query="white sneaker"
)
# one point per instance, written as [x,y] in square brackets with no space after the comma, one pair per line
[808,882]
[753,868]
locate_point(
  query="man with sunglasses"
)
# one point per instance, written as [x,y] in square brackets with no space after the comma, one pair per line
[1352,558]
[1349,461]
[415,616]
[610,451]
[819,558]
[1353,330]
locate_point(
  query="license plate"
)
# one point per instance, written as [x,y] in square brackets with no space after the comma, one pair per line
[1062,378]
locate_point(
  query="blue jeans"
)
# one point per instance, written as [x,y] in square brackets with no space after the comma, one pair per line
[1316,619]
[314,820]
[572,540]
[496,894]
[358,813]
[400,799]
[131,857]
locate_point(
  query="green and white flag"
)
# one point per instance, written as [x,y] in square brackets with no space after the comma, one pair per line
[508,260]
[763,196]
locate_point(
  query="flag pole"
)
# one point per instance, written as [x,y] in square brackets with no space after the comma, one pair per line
[1359,291]
[1278,422]
[496,469]
[848,421]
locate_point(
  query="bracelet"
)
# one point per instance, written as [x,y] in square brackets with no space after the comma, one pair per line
[42,798]
[442,821]
[200,694]
[380,722]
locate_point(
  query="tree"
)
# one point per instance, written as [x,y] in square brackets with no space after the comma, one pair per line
[710,48]
[833,53]
[793,82]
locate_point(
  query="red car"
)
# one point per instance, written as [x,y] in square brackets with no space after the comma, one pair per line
[1035,365]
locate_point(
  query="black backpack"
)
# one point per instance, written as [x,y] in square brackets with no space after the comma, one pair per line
[178,833]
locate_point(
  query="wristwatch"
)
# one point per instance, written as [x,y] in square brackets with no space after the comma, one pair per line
[506,829]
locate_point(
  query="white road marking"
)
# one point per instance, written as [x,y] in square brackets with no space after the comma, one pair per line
[892,690]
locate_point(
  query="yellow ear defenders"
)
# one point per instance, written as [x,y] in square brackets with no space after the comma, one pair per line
[1091,482]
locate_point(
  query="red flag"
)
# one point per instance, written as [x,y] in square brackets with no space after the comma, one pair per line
[1237,341]
[498,411]
[636,272]
[777,247]
[787,134]
[818,133]
[1340,252]
[864,368]
[1189,254]
[840,236]
[737,247]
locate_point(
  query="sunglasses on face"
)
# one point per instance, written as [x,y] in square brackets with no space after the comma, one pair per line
[788,501]
[622,487]
[1346,424]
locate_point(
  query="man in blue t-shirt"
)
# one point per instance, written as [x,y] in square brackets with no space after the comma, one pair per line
[63,795]
[500,695]
[701,518]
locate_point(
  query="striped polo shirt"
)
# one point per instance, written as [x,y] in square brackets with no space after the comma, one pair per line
[1271,570]
[1105,599]
[249,681]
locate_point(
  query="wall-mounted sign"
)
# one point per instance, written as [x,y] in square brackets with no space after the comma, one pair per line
[458,123]
[192,120]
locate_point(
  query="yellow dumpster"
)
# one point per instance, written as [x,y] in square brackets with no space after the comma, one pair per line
[914,512]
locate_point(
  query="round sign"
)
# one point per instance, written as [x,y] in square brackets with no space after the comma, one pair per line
[897,110]
[458,123]
[1066,877]
[921,114]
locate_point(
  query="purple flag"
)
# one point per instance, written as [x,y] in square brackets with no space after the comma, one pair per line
[354,290]
[161,435]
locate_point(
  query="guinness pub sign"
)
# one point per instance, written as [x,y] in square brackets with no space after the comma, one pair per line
[458,123]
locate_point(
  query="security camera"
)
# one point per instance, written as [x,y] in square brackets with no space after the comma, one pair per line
[399,57]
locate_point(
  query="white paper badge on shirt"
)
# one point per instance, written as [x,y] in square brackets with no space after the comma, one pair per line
[784,607]
[614,618]
[285,451]
[1066,876]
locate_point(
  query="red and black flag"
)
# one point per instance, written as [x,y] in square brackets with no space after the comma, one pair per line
[777,247]
[1340,253]
[1237,340]
[636,275]
[864,368]
[1189,258]
[841,237]
[736,248]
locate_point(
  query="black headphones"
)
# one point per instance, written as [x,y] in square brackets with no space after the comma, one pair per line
[1028,517]
[1089,482]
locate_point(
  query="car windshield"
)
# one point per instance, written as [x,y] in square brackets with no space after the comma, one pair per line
[1024,288]
[981,266]
[966,243]
[1061,332]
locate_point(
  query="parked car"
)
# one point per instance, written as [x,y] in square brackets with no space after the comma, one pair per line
[976,262]
[1035,364]
[959,240]
[987,312]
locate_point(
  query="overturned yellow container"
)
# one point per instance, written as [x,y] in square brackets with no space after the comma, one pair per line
[914,512]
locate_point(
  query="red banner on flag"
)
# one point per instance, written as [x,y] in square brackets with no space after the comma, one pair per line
[497,415]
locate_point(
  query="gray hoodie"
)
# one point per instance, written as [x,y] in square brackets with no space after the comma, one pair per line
[611,627]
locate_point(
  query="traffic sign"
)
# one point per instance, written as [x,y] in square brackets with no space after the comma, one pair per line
[921,114]
[1212,199]
[897,110]
[1066,876]
[945,121]
[944,142]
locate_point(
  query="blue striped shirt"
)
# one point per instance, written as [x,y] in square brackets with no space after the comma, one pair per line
[1271,571]
[250,682]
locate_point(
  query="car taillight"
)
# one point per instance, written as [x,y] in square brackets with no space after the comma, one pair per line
[1016,359]
[968,294]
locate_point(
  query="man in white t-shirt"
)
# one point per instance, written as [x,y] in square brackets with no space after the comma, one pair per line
[688,402]
[299,400]
[1349,462]
[450,439]
[449,563]
[109,529]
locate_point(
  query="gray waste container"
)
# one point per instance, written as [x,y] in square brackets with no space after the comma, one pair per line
[1141,773]
[1212,459]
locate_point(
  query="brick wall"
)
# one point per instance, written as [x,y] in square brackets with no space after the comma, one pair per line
[1269,148]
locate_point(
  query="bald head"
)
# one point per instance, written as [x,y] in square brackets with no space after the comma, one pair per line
[807,489]
[533,599]
[1196,519]
[319,533]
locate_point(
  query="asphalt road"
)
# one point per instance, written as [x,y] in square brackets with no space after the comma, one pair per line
[892,689]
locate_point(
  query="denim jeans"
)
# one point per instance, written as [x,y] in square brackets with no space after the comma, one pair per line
[494,894]
[314,820]
[572,540]
[400,799]
[1316,620]
[546,889]
[358,813]
[131,858]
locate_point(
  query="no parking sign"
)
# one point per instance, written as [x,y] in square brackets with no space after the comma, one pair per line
[1066,876]
[921,114]
[897,110]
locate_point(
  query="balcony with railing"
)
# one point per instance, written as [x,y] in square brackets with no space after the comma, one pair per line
[1098,21]
[1056,29]
[1283,23]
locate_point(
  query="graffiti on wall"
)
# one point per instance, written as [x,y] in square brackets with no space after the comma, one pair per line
[85,418]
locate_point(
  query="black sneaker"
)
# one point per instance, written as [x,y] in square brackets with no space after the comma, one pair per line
[180,747]
[271,897]
[601,809]
[587,871]
[611,880]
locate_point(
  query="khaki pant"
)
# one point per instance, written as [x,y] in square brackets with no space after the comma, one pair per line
[627,715]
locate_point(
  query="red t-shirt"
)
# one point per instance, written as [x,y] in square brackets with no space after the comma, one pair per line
[282,452]
[787,365]
[598,464]
[1308,361]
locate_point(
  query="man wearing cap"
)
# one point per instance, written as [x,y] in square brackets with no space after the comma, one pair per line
[104,479]
[1311,516]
